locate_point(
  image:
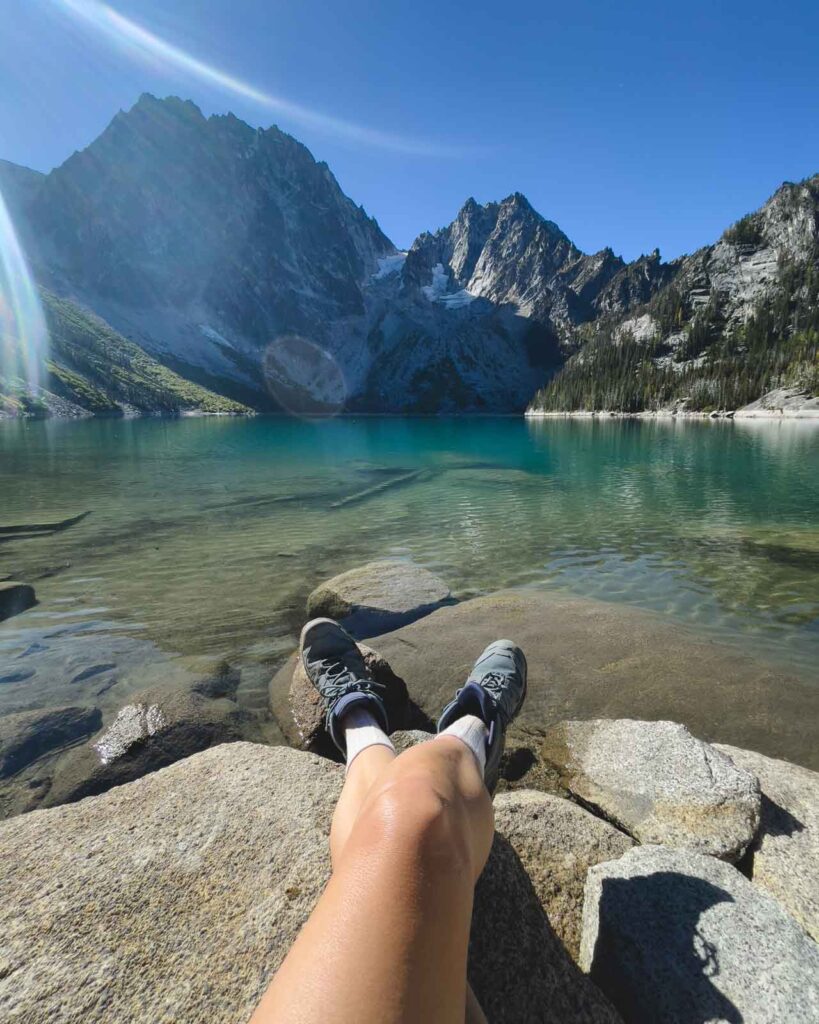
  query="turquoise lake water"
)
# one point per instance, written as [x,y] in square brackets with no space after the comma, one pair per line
[206,535]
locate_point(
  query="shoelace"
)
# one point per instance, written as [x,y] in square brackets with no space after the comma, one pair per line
[494,683]
[337,679]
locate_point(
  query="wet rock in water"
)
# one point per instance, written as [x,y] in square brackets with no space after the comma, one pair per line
[15,598]
[378,597]
[784,857]
[200,876]
[155,728]
[557,842]
[303,719]
[671,936]
[28,735]
[658,783]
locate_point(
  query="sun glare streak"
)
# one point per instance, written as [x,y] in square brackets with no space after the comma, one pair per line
[23,331]
[141,44]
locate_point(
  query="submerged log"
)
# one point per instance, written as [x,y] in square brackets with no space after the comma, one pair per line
[37,529]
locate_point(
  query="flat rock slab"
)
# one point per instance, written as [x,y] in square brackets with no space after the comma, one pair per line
[176,897]
[596,659]
[784,856]
[15,598]
[658,783]
[557,843]
[379,596]
[673,937]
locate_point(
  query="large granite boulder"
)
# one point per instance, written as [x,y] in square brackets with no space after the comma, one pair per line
[658,783]
[176,898]
[29,734]
[15,598]
[155,728]
[296,705]
[784,856]
[378,597]
[601,659]
[674,937]
[518,967]
[557,843]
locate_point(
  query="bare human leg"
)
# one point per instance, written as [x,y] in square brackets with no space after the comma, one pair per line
[387,941]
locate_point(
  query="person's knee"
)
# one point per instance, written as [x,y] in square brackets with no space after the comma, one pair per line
[410,814]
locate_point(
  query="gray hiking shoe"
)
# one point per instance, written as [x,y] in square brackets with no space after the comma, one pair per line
[335,667]
[494,692]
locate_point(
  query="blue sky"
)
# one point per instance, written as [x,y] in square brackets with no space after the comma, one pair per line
[631,125]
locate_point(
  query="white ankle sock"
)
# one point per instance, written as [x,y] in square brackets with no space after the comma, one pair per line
[472,731]
[362,730]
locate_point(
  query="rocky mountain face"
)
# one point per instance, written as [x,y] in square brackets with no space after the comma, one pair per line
[202,239]
[18,185]
[232,257]
[730,323]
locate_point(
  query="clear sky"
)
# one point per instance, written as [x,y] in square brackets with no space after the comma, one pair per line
[633,125]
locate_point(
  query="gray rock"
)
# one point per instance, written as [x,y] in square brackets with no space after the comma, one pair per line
[672,937]
[15,598]
[156,728]
[177,897]
[522,766]
[28,735]
[378,597]
[784,856]
[518,967]
[557,843]
[658,783]
[406,738]
[600,659]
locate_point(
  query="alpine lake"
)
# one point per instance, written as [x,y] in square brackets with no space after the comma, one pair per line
[204,536]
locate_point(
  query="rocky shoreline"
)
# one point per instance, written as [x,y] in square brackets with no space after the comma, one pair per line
[778,405]
[168,863]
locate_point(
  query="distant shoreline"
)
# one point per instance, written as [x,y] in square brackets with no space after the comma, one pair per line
[759,415]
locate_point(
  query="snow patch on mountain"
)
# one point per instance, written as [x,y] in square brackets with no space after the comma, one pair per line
[440,282]
[389,265]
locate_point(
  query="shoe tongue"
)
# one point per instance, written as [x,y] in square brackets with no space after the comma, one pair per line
[475,700]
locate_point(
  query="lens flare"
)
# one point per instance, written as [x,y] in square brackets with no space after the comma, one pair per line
[23,331]
[304,378]
[143,45]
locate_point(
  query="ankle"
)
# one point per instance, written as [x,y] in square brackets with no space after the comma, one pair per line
[361,730]
[473,733]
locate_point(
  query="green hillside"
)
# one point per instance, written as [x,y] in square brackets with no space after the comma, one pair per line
[96,369]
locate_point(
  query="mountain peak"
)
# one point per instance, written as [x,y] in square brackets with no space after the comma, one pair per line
[147,102]
[519,200]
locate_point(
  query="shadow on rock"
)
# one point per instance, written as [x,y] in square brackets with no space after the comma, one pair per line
[663,913]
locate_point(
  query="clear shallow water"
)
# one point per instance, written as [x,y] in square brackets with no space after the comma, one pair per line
[206,535]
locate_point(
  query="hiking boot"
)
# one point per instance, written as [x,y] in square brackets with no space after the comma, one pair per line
[494,692]
[335,667]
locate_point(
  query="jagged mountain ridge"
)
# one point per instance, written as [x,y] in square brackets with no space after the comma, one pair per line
[207,242]
[204,240]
